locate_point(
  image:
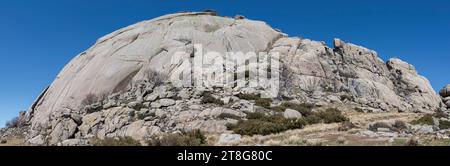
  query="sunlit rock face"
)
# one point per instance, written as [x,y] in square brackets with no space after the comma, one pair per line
[309,71]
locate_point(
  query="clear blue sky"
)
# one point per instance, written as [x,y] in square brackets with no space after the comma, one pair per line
[37,38]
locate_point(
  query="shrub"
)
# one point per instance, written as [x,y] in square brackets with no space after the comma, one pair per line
[228,116]
[263,102]
[89,99]
[444,125]
[278,108]
[346,97]
[191,138]
[412,142]
[121,141]
[346,125]
[13,123]
[374,127]
[156,77]
[259,123]
[209,98]
[248,96]
[424,120]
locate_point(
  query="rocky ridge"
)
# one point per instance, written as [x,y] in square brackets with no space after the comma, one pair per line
[106,91]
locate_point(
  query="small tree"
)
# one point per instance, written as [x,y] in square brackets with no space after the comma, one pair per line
[13,123]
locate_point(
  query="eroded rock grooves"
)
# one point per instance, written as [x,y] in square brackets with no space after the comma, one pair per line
[117,67]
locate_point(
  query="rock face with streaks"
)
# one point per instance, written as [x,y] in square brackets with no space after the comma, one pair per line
[107,90]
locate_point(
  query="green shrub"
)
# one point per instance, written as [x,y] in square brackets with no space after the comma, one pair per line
[209,98]
[90,99]
[304,109]
[331,115]
[444,125]
[190,138]
[13,123]
[346,97]
[278,108]
[374,127]
[248,96]
[228,116]
[263,102]
[399,125]
[260,124]
[346,125]
[424,120]
[121,141]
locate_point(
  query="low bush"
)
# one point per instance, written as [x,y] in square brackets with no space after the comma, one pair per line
[412,142]
[444,125]
[13,123]
[209,98]
[228,116]
[399,125]
[248,96]
[260,124]
[190,138]
[121,141]
[424,120]
[331,115]
[263,102]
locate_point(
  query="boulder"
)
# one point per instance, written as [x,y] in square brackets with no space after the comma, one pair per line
[63,130]
[167,102]
[38,140]
[291,114]
[227,138]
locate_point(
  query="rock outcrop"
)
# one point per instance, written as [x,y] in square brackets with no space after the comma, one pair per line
[116,71]
[445,94]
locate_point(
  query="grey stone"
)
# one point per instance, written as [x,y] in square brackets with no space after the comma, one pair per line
[38,140]
[291,114]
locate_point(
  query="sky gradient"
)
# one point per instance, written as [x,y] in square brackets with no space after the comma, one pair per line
[37,38]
